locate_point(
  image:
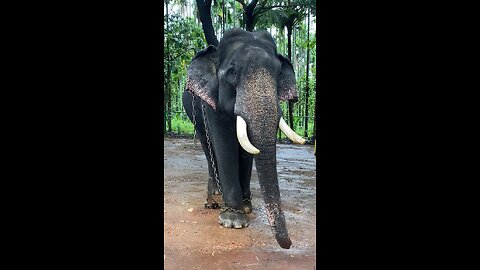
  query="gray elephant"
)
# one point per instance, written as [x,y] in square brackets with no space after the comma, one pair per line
[232,96]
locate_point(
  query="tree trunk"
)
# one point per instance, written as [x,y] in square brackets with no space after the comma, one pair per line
[178,104]
[249,20]
[204,11]
[306,76]
[234,13]
[169,96]
[167,82]
[249,16]
[289,47]
[224,17]
[315,116]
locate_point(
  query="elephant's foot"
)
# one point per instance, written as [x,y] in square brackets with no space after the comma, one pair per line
[212,204]
[233,218]
[247,206]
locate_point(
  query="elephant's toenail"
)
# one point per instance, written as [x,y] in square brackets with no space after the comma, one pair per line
[228,224]
[237,225]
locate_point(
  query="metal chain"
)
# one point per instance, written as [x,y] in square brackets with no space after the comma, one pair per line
[194,120]
[217,181]
[210,150]
[226,208]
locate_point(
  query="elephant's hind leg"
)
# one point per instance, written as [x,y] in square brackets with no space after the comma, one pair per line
[211,203]
[212,188]
[200,132]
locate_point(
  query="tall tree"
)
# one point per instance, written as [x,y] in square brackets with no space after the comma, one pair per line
[255,10]
[224,16]
[294,15]
[306,75]
[167,118]
[182,39]
[248,14]
[315,118]
[182,17]
[205,14]
[286,16]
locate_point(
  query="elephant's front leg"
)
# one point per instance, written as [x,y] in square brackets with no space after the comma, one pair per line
[246,161]
[224,140]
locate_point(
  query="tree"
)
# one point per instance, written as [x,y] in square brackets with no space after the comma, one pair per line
[187,28]
[294,15]
[166,109]
[253,11]
[182,40]
[286,16]
[205,14]
[248,15]
[306,77]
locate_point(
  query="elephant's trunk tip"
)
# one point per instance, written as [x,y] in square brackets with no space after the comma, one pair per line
[279,227]
[285,243]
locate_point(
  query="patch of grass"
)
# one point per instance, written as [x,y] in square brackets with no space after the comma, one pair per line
[180,125]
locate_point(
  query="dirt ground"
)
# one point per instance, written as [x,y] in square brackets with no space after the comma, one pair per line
[193,239]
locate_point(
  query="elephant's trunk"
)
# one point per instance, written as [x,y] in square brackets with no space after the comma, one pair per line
[258,105]
[267,176]
[266,163]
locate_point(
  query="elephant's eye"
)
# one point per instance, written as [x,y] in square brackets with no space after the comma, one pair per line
[231,76]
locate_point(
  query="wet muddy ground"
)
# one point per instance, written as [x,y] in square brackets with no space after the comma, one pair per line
[193,239]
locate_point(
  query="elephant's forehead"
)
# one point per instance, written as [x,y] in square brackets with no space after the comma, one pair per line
[241,50]
[257,52]
[259,84]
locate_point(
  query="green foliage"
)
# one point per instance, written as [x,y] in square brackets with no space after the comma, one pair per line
[181,125]
[185,38]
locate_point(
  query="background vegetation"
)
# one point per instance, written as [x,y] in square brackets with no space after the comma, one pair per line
[190,25]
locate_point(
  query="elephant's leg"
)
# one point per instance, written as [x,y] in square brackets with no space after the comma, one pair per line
[224,138]
[246,161]
[211,183]
[200,131]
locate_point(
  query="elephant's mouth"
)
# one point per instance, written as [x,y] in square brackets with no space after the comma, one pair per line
[248,146]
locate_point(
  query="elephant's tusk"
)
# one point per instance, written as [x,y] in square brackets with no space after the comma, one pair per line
[289,132]
[243,138]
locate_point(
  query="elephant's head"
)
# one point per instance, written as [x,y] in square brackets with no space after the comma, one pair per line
[246,79]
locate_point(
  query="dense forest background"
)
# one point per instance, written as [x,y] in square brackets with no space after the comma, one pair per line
[190,25]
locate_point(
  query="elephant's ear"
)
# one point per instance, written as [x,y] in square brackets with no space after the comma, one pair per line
[287,87]
[202,75]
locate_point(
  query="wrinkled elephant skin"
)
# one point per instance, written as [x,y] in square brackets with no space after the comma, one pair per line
[234,91]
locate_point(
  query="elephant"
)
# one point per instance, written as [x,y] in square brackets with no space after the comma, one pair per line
[232,95]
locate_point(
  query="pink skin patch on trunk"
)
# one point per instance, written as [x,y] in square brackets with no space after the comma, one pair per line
[271,217]
[272,211]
